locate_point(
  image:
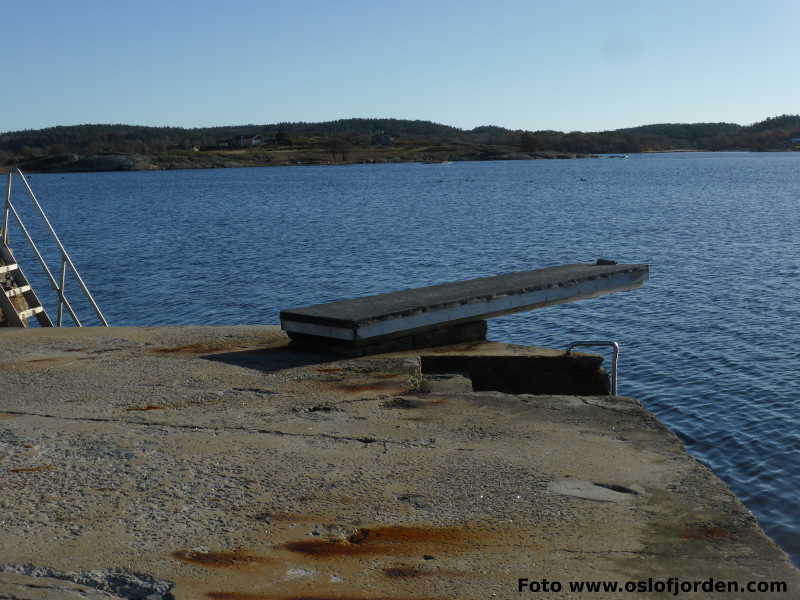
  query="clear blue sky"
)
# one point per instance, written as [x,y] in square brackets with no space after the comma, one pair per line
[527,64]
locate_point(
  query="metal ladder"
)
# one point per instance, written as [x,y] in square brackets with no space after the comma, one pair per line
[18,301]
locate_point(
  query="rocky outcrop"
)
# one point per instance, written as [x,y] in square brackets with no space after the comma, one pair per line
[29,582]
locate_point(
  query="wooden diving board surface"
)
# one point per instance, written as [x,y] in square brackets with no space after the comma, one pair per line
[364,320]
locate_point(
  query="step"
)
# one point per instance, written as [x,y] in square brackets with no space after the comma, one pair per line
[360,320]
[27,314]
[18,291]
[9,268]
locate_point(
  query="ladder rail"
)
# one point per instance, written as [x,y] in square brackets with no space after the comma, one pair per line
[64,255]
[66,261]
[614,357]
[6,206]
[43,263]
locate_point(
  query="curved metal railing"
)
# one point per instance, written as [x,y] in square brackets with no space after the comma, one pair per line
[614,358]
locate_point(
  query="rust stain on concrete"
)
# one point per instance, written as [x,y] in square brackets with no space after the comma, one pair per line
[704,531]
[393,540]
[198,349]
[45,361]
[35,469]
[32,362]
[143,408]
[398,384]
[410,403]
[414,572]
[405,572]
[235,559]
[251,596]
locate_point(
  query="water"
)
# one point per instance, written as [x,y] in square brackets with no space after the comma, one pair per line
[710,344]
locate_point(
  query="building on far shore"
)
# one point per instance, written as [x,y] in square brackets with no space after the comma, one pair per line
[255,140]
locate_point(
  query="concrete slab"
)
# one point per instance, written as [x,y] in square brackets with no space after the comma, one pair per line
[216,463]
[408,311]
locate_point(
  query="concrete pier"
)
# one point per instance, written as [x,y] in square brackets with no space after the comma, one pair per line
[217,463]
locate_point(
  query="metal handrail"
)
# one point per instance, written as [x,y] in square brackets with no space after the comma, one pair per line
[614,358]
[9,209]
[5,210]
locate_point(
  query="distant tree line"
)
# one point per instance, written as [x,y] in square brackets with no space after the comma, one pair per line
[774,133]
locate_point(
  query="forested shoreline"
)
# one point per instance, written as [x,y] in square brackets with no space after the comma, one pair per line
[126,147]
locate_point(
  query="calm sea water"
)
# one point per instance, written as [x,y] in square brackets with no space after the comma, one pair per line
[711,344]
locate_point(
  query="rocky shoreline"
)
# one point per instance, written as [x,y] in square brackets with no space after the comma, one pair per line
[74,163]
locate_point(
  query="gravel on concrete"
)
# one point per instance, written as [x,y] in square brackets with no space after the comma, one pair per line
[218,462]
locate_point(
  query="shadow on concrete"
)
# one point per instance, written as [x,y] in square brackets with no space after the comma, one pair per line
[273,359]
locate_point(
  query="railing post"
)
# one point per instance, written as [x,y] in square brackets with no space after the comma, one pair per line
[614,358]
[6,207]
[42,262]
[61,290]
[57,240]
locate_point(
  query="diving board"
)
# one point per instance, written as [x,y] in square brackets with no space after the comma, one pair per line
[366,320]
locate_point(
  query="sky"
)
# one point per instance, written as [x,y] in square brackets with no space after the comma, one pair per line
[531,64]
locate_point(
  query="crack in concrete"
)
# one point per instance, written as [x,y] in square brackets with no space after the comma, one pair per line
[339,438]
[748,557]
[608,408]
[33,586]
[639,552]
[354,400]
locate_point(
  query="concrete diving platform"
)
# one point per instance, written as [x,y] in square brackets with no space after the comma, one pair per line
[203,463]
[452,312]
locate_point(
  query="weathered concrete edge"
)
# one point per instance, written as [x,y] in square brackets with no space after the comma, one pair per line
[254,331]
